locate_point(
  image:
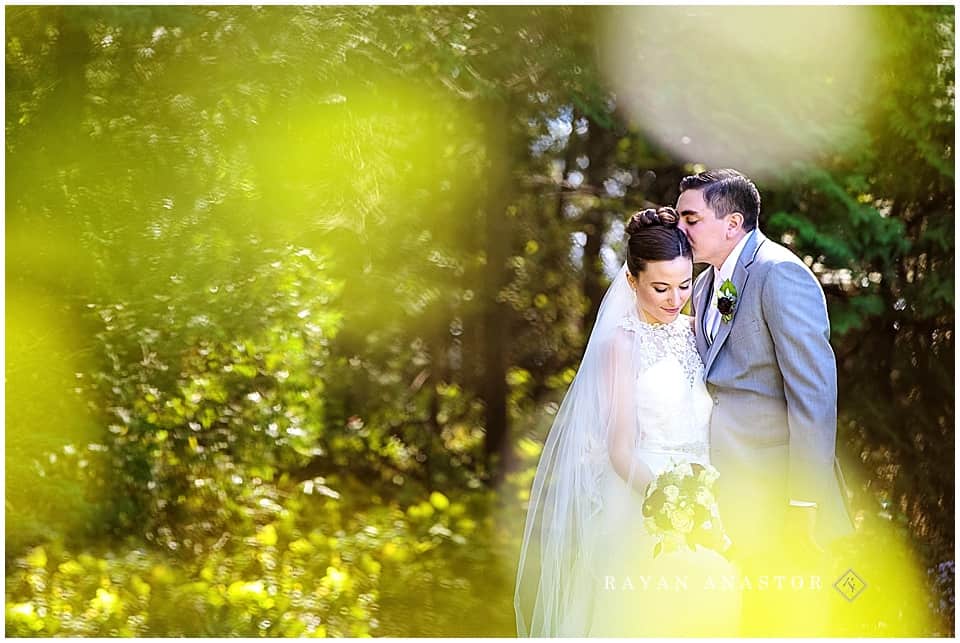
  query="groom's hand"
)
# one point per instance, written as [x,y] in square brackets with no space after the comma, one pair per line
[801,528]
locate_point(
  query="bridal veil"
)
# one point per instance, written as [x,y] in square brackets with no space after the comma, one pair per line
[593,432]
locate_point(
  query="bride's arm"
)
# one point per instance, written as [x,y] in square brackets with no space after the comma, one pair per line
[634,471]
[619,380]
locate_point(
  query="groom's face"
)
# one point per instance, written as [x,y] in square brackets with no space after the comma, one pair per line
[707,233]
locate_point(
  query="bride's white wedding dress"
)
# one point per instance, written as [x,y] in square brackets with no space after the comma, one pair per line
[626,591]
[586,563]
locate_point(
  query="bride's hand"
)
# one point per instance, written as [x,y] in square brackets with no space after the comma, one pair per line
[641,477]
[633,471]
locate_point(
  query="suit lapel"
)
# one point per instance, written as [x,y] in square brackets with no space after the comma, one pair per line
[741,273]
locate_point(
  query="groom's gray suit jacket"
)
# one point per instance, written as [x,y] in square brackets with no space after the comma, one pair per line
[772,375]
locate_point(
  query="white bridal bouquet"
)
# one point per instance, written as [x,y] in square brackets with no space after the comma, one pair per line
[679,508]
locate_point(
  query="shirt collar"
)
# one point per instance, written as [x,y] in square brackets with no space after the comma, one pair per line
[726,270]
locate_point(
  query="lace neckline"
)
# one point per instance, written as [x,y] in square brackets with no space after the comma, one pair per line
[654,342]
[633,321]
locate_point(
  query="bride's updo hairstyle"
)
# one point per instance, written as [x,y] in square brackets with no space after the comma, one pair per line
[653,235]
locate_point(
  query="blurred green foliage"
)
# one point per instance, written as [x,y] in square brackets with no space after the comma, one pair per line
[294,293]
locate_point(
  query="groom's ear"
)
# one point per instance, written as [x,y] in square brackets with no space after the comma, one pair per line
[735,221]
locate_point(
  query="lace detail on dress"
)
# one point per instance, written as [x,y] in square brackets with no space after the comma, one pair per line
[698,448]
[658,341]
[672,404]
[596,460]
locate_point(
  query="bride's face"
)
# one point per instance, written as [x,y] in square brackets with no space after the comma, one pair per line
[663,288]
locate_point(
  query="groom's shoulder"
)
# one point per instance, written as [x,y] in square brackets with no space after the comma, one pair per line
[770,254]
[771,251]
[775,259]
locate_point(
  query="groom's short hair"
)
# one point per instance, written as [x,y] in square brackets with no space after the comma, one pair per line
[727,191]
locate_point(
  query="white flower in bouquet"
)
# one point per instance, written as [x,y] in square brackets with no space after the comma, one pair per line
[704,497]
[672,492]
[709,475]
[682,521]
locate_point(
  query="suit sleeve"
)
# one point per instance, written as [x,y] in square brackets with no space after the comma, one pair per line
[796,312]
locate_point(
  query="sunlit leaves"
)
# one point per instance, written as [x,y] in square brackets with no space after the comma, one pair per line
[188,436]
[439,501]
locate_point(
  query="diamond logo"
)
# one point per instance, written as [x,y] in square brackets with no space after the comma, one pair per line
[850,585]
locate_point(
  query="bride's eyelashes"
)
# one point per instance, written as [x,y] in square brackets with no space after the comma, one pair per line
[687,287]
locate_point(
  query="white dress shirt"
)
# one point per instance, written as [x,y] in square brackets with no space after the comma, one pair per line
[719,276]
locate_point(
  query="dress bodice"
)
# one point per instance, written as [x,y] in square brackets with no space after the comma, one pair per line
[672,403]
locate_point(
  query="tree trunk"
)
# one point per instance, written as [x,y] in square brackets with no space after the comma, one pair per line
[496,315]
[599,149]
[593,267]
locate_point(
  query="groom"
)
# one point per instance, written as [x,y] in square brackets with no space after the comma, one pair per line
[763,334]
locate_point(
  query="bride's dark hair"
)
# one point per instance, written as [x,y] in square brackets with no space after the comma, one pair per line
[654,236]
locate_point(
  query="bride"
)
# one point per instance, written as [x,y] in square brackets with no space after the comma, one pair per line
[637,406]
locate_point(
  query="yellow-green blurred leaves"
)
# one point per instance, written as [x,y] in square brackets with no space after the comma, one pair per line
[439,501]
[370,565]
[140,587]
[70,568]
[316,579]
[518,377]
[335,579]
[162,574]
[301,547]
[562,380]
[396,553]
[240,591]
[105,602]
[267,535]
[345,163]
[421,510]
[24,614]
[45,363]
[37,557]
[529,448]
